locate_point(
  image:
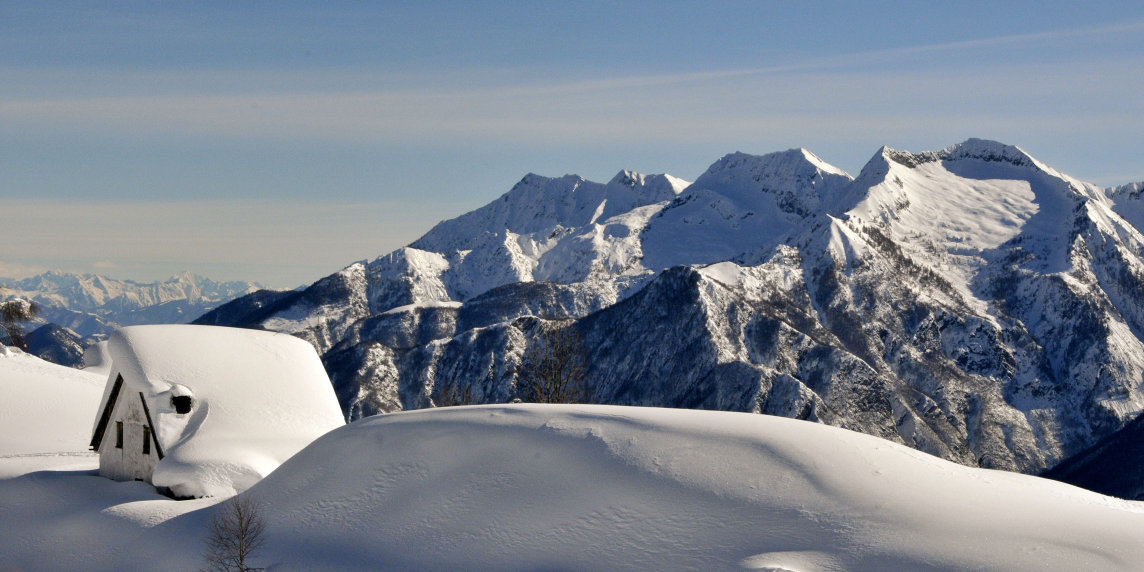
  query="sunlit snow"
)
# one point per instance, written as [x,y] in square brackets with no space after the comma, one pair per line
[561,487]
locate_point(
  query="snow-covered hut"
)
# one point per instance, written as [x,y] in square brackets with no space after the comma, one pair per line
[208,411]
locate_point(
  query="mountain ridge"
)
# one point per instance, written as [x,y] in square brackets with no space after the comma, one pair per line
[94,305]
[970,302]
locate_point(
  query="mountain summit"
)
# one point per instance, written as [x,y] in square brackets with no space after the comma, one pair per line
[742,203]
[970,302]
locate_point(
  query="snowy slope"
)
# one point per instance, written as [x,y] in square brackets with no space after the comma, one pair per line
[1129,203]
[45,408]
[592,488]
[952,209]
[742,203]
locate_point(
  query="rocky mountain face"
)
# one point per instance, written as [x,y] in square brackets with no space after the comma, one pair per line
[56,344]
[1110,467]
[971,302]
[91,305]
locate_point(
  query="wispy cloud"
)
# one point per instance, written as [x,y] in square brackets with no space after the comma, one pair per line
[681,105]
[1013,40]
[616,110]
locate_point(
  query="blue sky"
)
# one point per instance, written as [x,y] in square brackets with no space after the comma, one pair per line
[281,141]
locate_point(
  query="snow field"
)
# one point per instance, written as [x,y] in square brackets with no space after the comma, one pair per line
[45,408]
[599,487]
[570,487]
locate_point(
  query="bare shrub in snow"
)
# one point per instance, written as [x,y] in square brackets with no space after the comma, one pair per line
[552,369]
[236,533]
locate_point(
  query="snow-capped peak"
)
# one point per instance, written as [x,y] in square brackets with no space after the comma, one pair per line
[958,208]
[742,203]
[996,160]
[768,170]
[627,179]
[822,165]
[987,150]
[960,277]
[798,179]
[1128,202]
[981,149]
[664,185]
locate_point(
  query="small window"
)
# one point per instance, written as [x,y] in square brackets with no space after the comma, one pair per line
[146,440]
[181,403]
[118,434]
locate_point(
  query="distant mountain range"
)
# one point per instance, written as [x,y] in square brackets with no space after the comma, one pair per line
[76,308]
[971,302]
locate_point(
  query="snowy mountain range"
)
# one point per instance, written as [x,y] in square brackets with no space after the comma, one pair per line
[972,302]
[93,305]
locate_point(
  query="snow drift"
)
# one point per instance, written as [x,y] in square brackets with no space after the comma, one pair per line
[531,487]
[44,408]
[527,487]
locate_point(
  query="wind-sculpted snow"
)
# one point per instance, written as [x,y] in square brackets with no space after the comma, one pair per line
[574,487]
[258,398]
[590,487]
[970,302]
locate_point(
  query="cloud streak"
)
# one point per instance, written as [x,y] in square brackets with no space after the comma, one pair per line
[701,105]
[626,110]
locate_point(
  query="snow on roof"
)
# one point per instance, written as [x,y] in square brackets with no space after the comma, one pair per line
[96,360]
[257,398]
